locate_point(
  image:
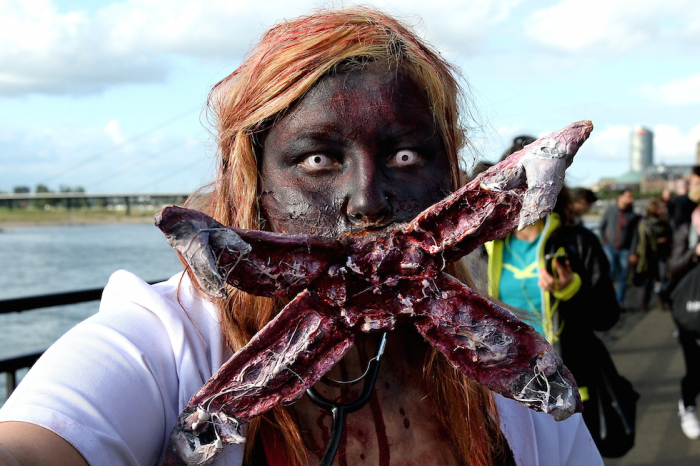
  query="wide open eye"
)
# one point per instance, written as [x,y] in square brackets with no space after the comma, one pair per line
[405,157]
[317,161]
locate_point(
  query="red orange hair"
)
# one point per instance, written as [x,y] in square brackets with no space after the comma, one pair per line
[289,60]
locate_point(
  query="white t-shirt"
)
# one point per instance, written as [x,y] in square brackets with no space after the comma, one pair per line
[114,385]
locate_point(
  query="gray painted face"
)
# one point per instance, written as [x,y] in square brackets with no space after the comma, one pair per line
[357,153]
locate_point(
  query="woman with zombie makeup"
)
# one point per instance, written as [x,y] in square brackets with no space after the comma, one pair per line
[338,123]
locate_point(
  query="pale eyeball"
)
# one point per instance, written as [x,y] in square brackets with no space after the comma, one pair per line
[317,161]
[405,157]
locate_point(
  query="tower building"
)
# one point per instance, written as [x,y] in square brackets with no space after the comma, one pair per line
[641,149]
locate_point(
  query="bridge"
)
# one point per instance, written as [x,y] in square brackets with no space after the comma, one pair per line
[16,200]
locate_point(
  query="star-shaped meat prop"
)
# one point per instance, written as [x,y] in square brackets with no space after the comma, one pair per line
[363,284]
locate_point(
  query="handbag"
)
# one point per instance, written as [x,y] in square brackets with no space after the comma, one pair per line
[685,301]
[610,412]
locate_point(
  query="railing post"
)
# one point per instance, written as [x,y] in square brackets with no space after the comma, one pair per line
[10,382]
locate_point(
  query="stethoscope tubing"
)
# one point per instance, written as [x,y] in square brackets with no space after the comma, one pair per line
[339,410]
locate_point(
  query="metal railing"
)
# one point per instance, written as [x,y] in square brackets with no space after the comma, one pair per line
[90,200]
[11,365]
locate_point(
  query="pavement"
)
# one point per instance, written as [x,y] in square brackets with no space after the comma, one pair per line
[647,353]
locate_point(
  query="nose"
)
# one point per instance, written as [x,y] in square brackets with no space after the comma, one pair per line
[368,203]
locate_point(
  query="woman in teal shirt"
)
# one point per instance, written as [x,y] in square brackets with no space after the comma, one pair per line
[569,303]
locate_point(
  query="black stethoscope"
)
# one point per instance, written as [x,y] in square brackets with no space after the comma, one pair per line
[339,410]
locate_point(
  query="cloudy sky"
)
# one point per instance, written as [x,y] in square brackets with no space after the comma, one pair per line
[108,95]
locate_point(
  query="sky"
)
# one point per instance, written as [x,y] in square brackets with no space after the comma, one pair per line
[109,95]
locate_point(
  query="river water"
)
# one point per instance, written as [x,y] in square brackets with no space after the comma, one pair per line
[41,260]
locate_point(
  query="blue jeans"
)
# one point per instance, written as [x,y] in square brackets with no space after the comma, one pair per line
[619,269]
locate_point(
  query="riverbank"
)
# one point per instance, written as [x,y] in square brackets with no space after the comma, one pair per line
[16,218]
[20,218]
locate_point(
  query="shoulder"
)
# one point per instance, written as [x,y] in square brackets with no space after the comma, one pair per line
[609,215]
[535,438]
[581,231]
[612,209]
[166,320]
[680,236]
[683,228]
[147,351]
[577,236]
[174,302]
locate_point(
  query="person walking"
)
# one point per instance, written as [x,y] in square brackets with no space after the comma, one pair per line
[685,302]
[618,231]
[653,249]
[681,206]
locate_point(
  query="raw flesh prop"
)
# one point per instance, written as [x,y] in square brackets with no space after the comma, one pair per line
[367,283]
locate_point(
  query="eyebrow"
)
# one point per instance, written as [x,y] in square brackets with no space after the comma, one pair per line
[304,142]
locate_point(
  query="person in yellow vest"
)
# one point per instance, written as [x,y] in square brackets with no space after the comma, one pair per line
[556,276]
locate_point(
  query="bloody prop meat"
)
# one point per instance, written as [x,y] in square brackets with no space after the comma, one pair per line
[366,283]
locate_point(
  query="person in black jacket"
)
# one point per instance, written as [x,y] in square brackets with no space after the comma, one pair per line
[653,250]
[618,231]
[594,307]
[685,257]
[680,206]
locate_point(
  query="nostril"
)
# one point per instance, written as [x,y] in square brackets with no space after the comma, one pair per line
[368,219]
[354,218]
[365,220]
[368,204]
[377,212]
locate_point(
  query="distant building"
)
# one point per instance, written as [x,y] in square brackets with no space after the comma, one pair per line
[697,156]
[641,149]
[603,183]
[630,180]
[660,177]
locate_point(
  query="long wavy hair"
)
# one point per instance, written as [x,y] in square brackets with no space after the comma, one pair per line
[288,61]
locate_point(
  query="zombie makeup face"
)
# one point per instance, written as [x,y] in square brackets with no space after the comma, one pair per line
[358,153]
[343,287]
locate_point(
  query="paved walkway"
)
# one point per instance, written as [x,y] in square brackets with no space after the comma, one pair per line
[647,354]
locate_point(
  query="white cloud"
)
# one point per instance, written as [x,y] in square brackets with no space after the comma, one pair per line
[92,158]
[673,146]
[614,26]
[114,131]
[455,27]
[683,91]
[692,31]
[45,51]
[610,143]
[42,50]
